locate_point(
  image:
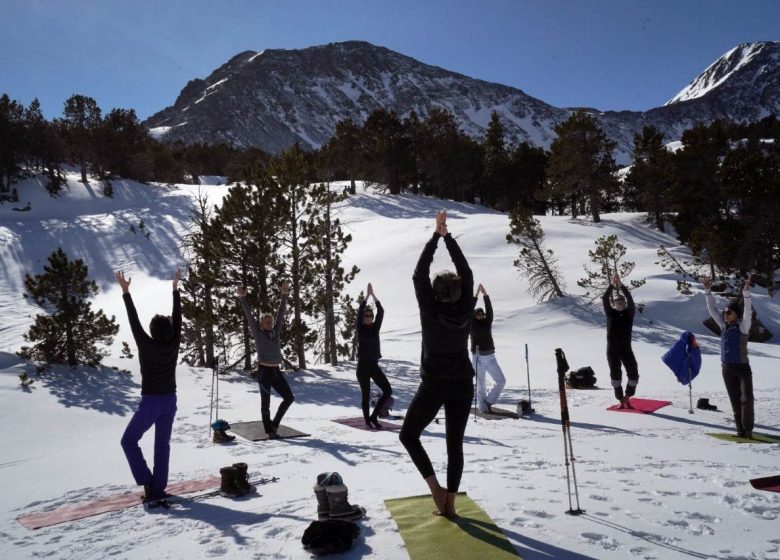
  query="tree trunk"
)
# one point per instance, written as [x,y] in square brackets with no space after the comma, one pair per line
[209,326]
[298,342]
[84,171]
[330,312]
[547,270]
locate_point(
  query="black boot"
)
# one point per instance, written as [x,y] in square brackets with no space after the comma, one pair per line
[242,479]
[221,436]
[228,488]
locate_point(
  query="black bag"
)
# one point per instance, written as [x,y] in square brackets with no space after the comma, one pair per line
[329,537]
[582,378]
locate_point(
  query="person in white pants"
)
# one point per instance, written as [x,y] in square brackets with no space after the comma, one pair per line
[484,354]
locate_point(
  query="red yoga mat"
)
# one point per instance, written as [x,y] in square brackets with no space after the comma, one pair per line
[768,483]
[641,406]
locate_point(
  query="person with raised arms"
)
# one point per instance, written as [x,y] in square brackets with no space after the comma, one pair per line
[158,354]
[446,310]
[267,333]
[734,323]
[484,354]
[367,328]
[620,321]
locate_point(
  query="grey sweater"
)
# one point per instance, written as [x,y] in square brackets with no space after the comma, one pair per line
[269,348]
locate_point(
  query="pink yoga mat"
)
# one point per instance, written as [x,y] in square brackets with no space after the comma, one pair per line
[360,424]
[641,406]
[109,503]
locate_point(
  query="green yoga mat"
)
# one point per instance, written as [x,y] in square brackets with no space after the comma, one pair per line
[472,535]
[757,438]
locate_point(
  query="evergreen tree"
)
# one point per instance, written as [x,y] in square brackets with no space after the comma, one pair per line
[494,166]
[71,331]
[387,157]
[536,263]
[82,119]
[327,254]
[35,131]
[608,258]
[341,155]
[581,169]
[11,140]
[649,184]
[526,178]
[294,210]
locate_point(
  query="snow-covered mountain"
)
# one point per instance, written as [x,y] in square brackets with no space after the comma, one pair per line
[275,98]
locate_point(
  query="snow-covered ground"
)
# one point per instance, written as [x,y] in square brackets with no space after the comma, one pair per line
[653,486]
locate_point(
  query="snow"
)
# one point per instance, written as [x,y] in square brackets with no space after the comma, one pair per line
[718,72]
[653,486]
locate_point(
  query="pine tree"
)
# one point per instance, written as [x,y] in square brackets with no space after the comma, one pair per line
[11,140]
[82,118]
[581,169]
[607,257]
[387,157]
[649,184]
[494,166]
[341,155]
[71,331]
[327,253]
[535,262]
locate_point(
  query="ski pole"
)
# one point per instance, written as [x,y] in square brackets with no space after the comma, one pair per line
[211,401]
[476,377]
[528,376]
[690,389]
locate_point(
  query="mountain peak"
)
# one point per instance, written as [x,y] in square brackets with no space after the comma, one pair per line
[741,58]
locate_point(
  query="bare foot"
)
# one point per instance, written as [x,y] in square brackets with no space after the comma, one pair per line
[439,496]
[451,513]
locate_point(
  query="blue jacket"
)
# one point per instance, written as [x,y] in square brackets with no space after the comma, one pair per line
[684,354]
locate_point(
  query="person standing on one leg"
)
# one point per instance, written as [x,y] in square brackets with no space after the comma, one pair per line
[485,363]
[158,353]
[269,357]
[446,311]
[368,357]
[734,325]
[620,321]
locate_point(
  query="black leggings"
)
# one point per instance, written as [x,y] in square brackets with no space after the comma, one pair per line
[272,377]
[616,355]
[366,371]
[739,385]
[456,396]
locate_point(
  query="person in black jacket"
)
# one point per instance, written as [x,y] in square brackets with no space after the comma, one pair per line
[620,321]
[158,353]
[484,354]
[367,328]
[446,311]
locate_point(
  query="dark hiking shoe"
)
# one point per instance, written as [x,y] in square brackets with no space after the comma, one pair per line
[241,479]
[221,436]
[228,488]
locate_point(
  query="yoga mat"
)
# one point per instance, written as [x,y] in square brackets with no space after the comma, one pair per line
[360,424]
[769,483]
[253,431]
[497,414]
[641,406]
[471,536]
[109,503]
[757,438]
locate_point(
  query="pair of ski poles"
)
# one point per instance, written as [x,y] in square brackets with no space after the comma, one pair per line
[568,450]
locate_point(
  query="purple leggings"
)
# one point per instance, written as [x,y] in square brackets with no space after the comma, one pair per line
[158,411]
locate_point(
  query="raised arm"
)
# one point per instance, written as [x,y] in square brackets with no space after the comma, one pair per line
[629,300]
[747,309]
[488,309]
[605,299]
[421,277]
[284,288]
[380,314]
[253,326]
[360,310]
[176,314]
[707,283]
[135,325]
[461,265]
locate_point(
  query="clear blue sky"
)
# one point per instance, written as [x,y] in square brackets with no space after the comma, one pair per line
[607,54]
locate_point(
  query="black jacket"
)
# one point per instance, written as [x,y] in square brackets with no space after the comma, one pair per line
[619,323]
[368,337]
[445,326]
[158,359]
[481,330]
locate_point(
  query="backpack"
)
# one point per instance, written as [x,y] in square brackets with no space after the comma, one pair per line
[583,378]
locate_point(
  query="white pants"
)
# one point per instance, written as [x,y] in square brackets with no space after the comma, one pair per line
[488,364]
